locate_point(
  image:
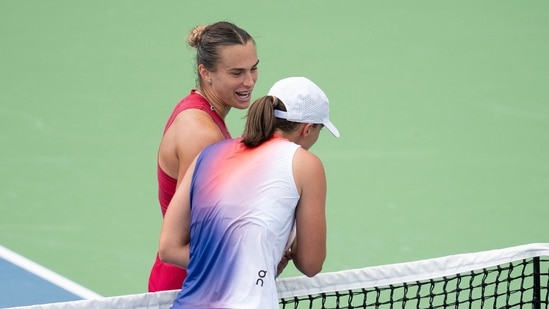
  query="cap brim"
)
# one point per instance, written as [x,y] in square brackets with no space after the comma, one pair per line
[330,126]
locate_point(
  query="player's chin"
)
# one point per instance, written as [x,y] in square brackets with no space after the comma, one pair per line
[241,105]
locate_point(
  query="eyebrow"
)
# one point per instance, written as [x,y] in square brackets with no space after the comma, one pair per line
[242,69]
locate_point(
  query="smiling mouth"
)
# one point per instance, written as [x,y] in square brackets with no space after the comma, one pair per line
[243,94]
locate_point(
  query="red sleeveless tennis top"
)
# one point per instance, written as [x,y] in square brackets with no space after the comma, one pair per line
[166,183]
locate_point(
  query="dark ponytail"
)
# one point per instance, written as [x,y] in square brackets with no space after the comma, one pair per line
[261,122]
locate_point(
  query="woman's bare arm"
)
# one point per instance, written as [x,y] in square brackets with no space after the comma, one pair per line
[175,232]
[309,248]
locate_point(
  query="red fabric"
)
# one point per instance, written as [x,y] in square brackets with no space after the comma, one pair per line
[166,183]
[166,189]
[164,276]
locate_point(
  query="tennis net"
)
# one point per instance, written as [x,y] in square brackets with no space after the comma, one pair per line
[515,277]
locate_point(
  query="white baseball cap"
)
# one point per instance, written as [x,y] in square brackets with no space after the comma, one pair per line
[305,102]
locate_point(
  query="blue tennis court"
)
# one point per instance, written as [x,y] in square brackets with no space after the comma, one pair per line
[24,282]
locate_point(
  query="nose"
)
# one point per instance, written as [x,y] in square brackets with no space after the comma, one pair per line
[250,78]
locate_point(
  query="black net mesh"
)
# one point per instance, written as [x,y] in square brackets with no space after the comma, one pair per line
[519,284]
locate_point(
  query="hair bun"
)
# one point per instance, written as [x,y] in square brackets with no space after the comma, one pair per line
[194,37]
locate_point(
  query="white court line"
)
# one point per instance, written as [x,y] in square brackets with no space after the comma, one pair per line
[47,274]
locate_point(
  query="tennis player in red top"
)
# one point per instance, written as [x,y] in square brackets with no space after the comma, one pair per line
[227,63]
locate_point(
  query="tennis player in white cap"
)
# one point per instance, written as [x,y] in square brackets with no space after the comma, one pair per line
[229,222]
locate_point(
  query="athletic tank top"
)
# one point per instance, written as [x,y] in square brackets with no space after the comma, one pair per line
[166,183]
[243,204]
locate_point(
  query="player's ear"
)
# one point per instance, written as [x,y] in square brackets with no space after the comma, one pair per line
[307,129]
[204,73]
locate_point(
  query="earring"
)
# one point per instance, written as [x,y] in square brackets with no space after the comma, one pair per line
[210,81]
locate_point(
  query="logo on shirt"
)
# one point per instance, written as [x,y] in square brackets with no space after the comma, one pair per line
[261,274]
